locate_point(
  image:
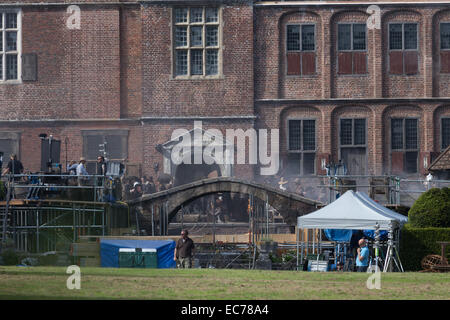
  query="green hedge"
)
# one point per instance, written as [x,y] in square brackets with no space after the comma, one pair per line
[416,243]
[431,209]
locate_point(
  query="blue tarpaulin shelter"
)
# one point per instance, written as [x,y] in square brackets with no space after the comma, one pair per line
[109,251]
[345,235]
[338,234]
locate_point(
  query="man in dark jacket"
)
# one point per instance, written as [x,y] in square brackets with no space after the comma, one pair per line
[184,251]
[14,167]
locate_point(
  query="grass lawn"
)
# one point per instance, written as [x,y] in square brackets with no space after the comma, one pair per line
[216,284]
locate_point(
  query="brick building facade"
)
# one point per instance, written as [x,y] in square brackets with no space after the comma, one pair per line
[372,94]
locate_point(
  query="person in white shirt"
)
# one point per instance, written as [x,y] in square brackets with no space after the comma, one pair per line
[81,171]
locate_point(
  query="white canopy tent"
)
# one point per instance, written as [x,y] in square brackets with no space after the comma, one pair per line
[353,210]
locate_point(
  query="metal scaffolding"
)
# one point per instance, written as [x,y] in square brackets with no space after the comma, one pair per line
[38,225]
[394,190]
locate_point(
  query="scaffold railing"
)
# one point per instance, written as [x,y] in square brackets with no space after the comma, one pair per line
[396,190]
[51,215]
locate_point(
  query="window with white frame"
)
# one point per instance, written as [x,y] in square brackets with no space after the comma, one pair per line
[196,34]
[9,46]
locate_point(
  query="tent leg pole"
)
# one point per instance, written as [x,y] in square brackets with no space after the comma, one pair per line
[296,237]
[320,241]
[314,242]
[301,237]
[307,243]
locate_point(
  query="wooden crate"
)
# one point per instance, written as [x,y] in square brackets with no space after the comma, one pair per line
[90,262]
[87,249]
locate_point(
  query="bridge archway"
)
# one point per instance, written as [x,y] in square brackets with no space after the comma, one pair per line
[289,205]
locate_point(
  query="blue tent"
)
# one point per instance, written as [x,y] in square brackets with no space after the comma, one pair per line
[338,234]
[109,251]
[345,235]
[371,234]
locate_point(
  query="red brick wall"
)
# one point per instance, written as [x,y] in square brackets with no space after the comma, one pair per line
[119,65]
[378,117]
[402,85]
[441,80]
[30,144]
[272,81]
[231,94]
[130,61]
[349,85]
[78,70]
[306,86]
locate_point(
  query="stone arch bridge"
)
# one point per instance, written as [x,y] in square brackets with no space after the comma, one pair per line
[289,205]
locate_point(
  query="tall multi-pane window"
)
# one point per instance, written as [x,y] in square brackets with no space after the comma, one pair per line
[445,46]
[300,49]
[404,144]
[403,48]
[9,144]
[352,142]
[352,48]
[445,133]
[196,41]
[113,142]
[301,146]
[9,46]
[352,132]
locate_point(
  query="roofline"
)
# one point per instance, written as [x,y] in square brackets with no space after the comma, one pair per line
[65,4]
[353,100]
[430,167]
[344,3]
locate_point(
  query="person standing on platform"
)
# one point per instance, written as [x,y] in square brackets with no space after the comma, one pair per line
[362,257]
[101,169]
[81,172]
[72,167]
[184,251]
[14,167]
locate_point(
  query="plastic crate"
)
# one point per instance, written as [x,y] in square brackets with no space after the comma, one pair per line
[318,266]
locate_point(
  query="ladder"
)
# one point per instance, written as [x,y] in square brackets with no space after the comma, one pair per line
[5,218]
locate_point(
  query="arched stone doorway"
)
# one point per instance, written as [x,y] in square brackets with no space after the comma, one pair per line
[186,173]
[193,144]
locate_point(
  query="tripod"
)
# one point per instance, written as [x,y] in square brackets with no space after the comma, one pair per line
[392,255]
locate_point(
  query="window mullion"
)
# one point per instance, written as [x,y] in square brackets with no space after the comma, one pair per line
[204,41]
[189,46]
[301,163]
[302,136]
[404,133]
[1,48]
[300,35]
[351,40]
[403,37]
[301,139]
[353,132]
[4,47]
